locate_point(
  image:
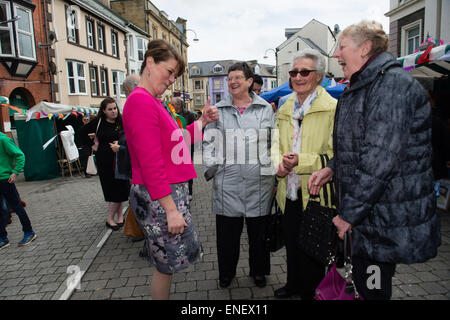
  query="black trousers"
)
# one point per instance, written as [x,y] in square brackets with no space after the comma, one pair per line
[367,287]
[303,273]
[228,236]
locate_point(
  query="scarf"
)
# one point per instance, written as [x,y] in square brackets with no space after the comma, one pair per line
[298,113]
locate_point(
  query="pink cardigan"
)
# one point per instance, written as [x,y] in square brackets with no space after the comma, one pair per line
[156,160]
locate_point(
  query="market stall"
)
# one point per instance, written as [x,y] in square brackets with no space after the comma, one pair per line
[38,125]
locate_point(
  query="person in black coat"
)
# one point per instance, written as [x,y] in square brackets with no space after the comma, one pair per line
[382,162]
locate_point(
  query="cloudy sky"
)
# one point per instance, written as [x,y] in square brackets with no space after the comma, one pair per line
[245,29]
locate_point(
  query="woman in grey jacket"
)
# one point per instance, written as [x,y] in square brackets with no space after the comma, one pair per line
[382,162]
[236,155]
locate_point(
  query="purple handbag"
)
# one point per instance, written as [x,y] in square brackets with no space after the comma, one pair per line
[336,286]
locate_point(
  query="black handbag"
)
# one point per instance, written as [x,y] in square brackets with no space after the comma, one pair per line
[317,234]
[273,236]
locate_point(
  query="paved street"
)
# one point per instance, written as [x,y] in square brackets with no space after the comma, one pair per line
[68,215]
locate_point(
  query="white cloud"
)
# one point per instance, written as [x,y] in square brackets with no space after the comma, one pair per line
[244,29]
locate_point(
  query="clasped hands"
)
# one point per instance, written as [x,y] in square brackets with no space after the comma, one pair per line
[290,160]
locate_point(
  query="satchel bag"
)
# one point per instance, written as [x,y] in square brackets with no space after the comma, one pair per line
[91,167]
[273,236]
[317,234]
[131,228]
[338,283]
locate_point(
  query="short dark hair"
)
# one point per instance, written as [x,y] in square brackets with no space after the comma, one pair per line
[257,79]
[244,67]
[161,50]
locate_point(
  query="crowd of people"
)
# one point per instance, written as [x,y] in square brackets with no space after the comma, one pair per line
[378,137]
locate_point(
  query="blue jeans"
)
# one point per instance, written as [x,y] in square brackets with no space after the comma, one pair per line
[8,191]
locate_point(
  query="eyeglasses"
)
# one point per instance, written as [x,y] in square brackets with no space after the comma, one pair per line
[229,79]
[303,73]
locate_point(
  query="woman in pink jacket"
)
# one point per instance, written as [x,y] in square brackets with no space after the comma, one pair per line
[161,167]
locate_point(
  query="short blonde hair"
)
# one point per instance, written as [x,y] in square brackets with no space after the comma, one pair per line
[368,31]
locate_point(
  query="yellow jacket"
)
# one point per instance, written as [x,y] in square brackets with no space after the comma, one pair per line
[317,136]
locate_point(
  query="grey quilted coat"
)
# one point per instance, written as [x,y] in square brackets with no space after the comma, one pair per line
[236,153]
[382,165]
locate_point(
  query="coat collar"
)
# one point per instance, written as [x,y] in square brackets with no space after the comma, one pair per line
[382,62]
[320,104]
[228,101]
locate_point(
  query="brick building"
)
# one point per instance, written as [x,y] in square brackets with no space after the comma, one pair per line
[24,69]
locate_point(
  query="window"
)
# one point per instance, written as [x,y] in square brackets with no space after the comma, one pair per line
[131,47]
[217,68]
[140,49]
[94,80]
[90,34]
[411,35]
[76,77]
[218,97]
[195,71]
[6,31]
[117,79]
[25,33]
[217,84]
[114,44]
[198,99]
[155,33]
[104,82]
[198,85]
[72,32]
[101,38]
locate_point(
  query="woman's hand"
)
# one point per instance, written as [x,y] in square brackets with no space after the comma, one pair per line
[91,135]
[342,226]
[318,179]
[210,114]
[282,172]
[115,146]
[12,178]
[175,222]
[290,160]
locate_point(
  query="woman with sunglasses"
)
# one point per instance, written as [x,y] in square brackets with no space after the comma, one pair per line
[303,132]
[243,180]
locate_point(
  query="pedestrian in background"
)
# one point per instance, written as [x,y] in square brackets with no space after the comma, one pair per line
[12,162]
[382,161]
[85,144]
[190,117]
[302,133]
[258,82]
[241,191]
[159,191]
[107,127]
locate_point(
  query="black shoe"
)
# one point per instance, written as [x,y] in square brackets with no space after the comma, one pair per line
[225,282]
[114,228]
[283,292]
[260,281]
[137,239]
[120,225]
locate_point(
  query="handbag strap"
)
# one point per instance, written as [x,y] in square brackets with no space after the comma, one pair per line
[331,184]
[98,125]
[325,192]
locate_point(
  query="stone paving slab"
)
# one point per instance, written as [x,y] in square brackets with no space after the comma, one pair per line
[428,280]
[69,215]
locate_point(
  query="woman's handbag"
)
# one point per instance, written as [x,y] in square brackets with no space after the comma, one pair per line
[91,167]
[317,234]
[131,228]
[338,283]
[95,145]
[273,236]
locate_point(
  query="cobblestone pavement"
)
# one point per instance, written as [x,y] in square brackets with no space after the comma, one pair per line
[68,215]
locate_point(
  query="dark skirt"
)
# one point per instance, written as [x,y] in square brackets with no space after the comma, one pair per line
[114,190]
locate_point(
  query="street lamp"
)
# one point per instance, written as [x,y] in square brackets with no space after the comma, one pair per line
[276,61]
[181,40]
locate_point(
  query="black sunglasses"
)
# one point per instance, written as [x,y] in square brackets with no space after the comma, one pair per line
[303,73]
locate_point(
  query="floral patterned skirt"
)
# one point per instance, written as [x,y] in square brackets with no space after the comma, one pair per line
[169,253]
